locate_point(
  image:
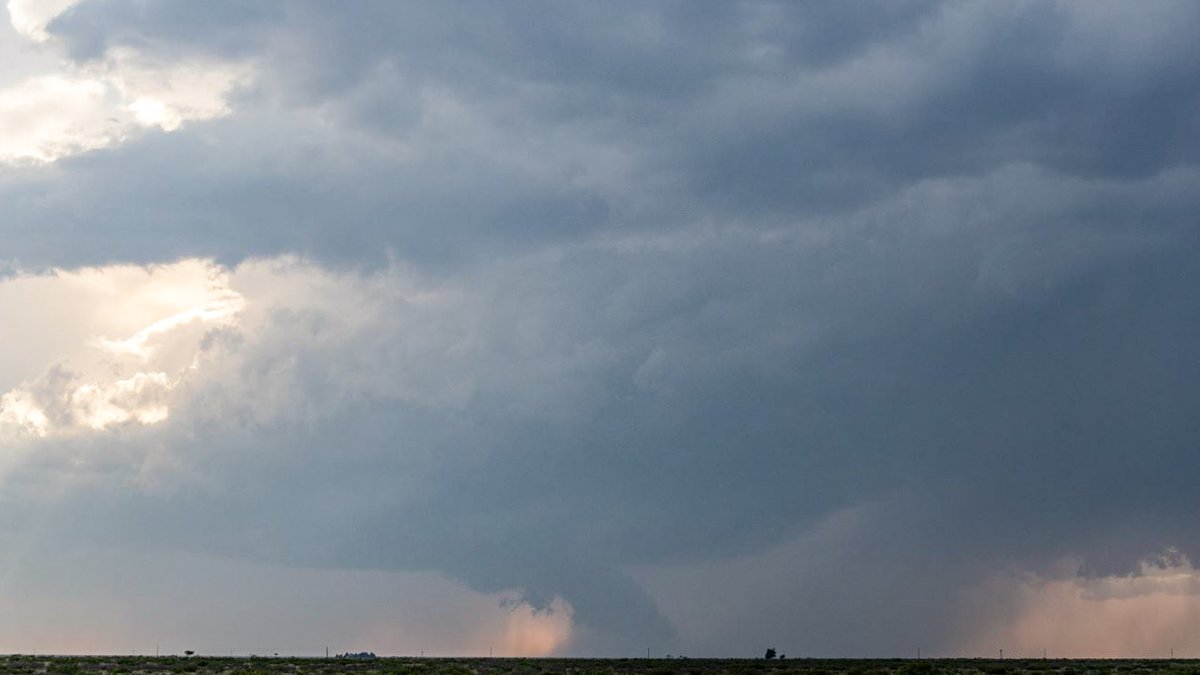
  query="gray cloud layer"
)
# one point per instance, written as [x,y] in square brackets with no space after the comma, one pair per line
[729,268]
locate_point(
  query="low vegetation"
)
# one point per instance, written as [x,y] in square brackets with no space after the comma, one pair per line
[212,665]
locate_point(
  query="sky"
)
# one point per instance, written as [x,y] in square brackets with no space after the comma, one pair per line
[573,328]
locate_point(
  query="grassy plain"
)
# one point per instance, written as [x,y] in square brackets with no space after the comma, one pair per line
[209,665]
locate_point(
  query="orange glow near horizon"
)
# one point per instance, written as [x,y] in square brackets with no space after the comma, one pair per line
[530,633]
[1152,614]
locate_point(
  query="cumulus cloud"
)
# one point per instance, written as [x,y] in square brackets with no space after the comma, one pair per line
[100,382]
[57,403]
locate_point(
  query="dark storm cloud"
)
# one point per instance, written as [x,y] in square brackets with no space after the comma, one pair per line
[785,112]
[779,260]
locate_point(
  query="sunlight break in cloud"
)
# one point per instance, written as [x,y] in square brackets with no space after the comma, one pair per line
[30,17]
[99,104]
[219,309]
[167,94]
[100,382]
[267,340]
[202,349]
[44,118]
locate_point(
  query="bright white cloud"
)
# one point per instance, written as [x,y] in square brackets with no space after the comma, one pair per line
[21,410]
[96,382]
[218,309]
[30,17]
[76,109]
[167,94]
[44,118]
[243,342]
[60,403]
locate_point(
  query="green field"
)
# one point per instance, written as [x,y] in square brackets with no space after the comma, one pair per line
[208,665]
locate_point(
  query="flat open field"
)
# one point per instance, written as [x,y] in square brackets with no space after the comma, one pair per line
[209,665]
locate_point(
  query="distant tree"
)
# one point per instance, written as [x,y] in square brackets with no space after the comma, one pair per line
[188,652]
[770,653]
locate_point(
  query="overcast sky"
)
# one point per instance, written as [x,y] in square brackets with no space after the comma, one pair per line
[843,328]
